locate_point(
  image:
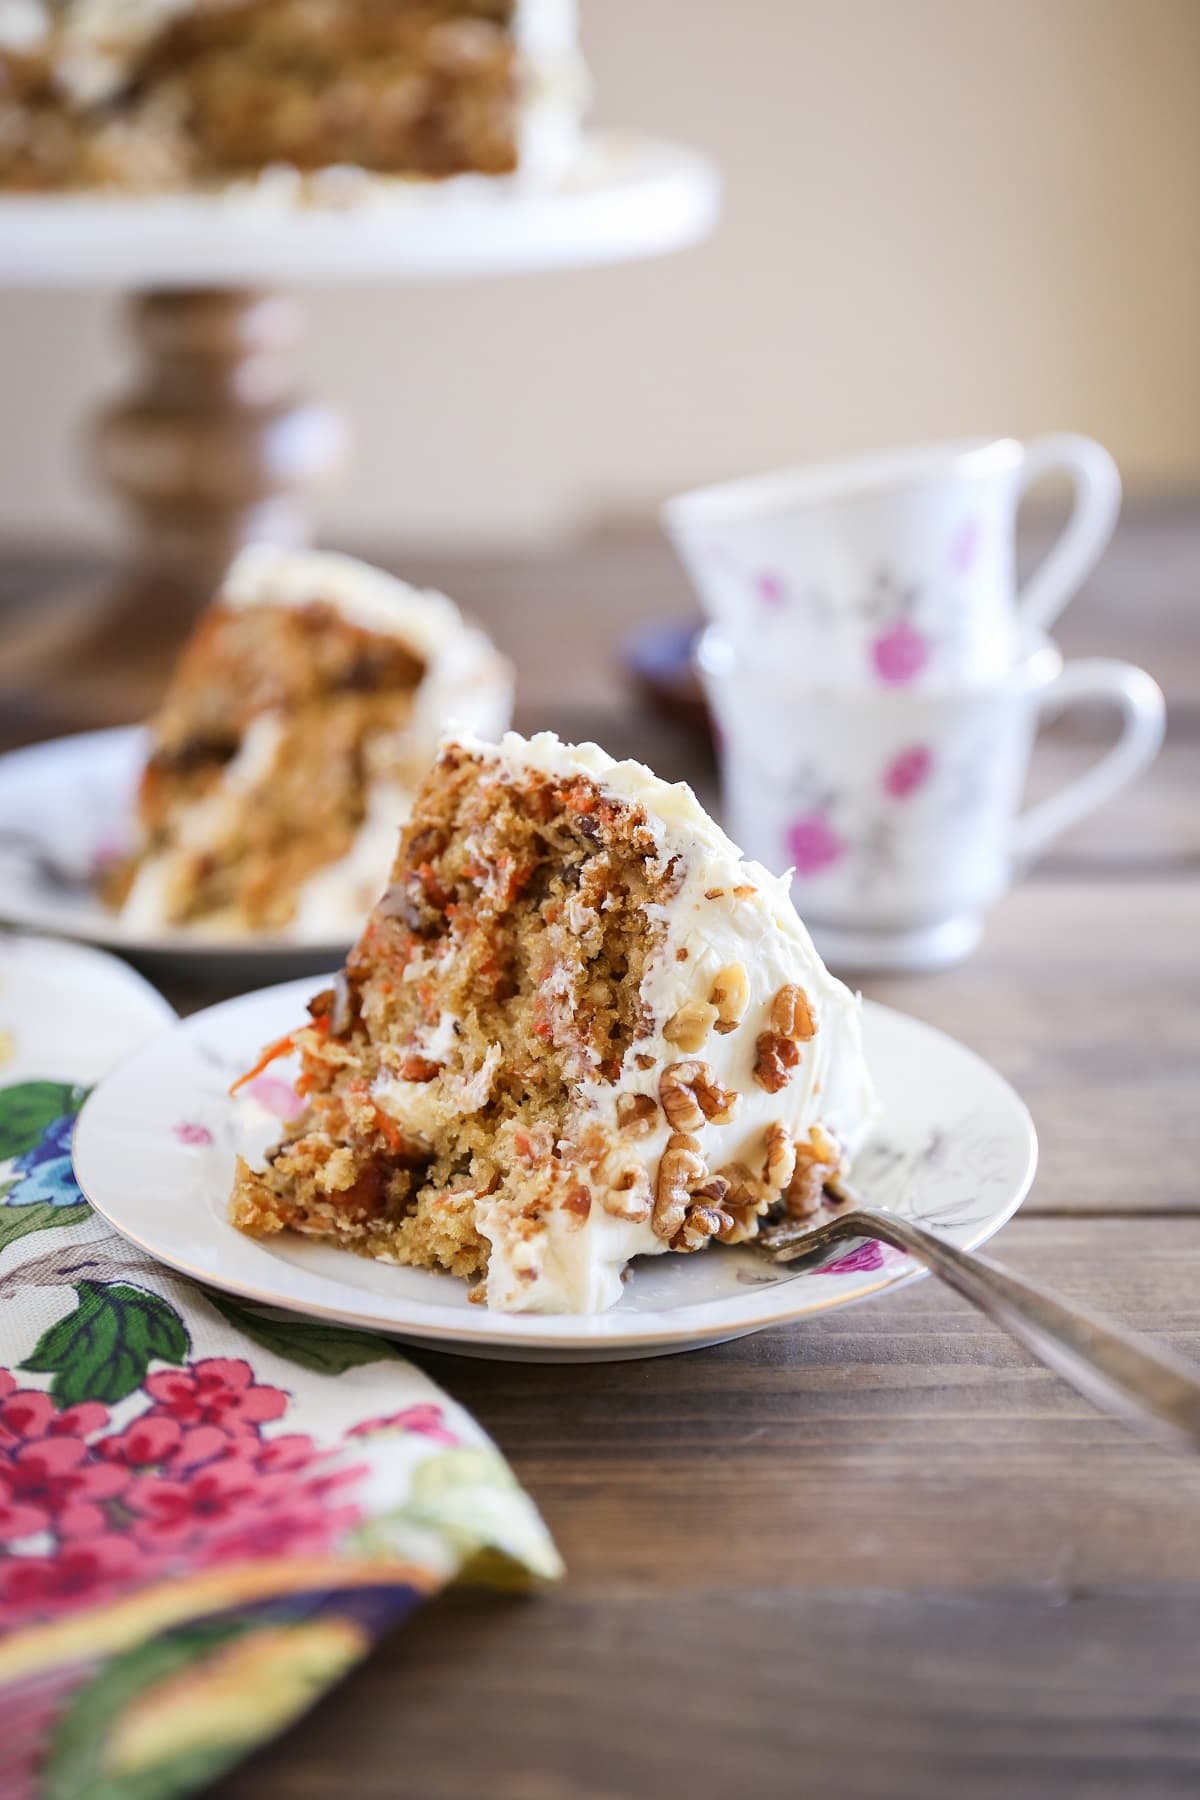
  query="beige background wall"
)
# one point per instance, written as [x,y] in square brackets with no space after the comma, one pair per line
[942,216]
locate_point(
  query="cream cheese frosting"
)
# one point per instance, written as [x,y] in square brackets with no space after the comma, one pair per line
[725,912]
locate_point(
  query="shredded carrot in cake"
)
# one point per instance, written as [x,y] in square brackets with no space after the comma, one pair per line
[284,1046]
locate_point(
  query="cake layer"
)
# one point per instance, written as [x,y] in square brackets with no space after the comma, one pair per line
[303,715]
[577,1029]
[153,94]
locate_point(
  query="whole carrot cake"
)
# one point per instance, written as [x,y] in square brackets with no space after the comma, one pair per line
[577,1029]
[160,94]
[303,715]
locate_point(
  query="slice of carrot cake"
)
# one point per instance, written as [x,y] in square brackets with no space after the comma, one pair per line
[304,713]
[577,1029]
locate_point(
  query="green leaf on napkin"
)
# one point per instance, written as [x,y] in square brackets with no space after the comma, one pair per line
[18,1221]
[28,1107]
[325,1349]
[103,1349]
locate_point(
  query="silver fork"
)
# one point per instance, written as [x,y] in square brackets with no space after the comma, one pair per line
[1145,1387]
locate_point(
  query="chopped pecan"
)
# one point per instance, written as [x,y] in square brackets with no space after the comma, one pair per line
[629,1197]
[690,1094]
[690,1026]
[780,1163]
[747,1199]
[791,1015]
[730,995]
[775,1056]
[744,1189]
[578,1202]
[702,1222]
[816,1160]
[720,1105]
[680,1168]
[637,1113]
[741,1223]
[407,901]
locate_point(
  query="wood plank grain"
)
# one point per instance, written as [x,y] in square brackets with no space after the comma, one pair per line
[1087,997]
[854,1696]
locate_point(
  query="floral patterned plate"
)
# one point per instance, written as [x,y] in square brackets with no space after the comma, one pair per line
[73,798]
[156,1142]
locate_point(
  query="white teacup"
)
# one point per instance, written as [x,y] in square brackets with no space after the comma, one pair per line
[898,812]
[896,570]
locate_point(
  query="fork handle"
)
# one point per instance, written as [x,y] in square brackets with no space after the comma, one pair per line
[1148,1388]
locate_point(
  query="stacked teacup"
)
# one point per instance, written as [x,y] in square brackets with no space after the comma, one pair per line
[876,680]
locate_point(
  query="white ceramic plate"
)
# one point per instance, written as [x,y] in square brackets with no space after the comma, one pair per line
[74,796]
[155,1148]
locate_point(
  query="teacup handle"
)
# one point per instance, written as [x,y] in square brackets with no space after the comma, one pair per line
[1087,531]
[1143,711]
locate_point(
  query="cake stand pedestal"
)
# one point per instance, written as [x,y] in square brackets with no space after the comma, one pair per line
[214,447]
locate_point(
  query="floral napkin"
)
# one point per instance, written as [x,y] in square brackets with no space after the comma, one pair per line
[208,1510]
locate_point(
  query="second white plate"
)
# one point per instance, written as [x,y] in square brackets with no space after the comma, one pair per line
[156,1143]
[74,796]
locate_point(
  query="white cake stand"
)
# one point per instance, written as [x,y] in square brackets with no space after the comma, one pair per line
[214,446]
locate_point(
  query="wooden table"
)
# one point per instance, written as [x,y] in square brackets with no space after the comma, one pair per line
[878,1554]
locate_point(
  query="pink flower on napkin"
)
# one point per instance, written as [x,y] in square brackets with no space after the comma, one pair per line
[169,1511]
[908,771]
[219,1390]
[426,1420]
[813,844]
[27,1413]
[78,1573]
[60,1480]
[899,653]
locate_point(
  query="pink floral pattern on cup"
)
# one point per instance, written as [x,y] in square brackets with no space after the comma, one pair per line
[770,589]
[813,844]
[908,772]
[968,540]
[899,653]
